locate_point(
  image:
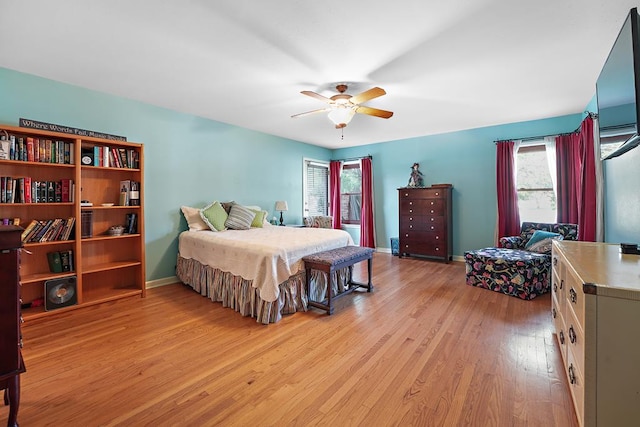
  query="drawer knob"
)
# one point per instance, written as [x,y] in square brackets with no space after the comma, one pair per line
[437,249]
[432,227]
[411,203]
[410,210]
[572,374]
[410,225]
[561,283]
[431,203]
[437,194]
[555,261]
[573,295]
[553,312]
[406,235]
[572,335]
[555,287]
[437,237]
[431,210]
[432,219]
[410,219]
[561,337]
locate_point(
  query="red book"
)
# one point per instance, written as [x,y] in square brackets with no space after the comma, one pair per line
[27,189]
[30,150]
[66,190]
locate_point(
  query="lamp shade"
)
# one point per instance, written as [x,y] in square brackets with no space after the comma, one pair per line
[281,205]
[341,115]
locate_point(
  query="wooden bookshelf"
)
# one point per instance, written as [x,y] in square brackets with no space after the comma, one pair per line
[107,267]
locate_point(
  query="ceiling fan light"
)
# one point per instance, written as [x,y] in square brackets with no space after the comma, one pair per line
[341,116]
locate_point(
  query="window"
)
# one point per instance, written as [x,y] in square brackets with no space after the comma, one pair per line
[350,193]
[611,141]
[316,188]
[536,198]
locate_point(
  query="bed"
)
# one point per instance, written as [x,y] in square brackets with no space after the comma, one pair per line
[258,272]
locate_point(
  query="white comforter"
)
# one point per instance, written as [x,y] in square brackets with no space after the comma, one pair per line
[268,255]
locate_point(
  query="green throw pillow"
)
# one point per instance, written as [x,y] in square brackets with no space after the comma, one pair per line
[214,216]
[258,220]
[240,218]
[541,240]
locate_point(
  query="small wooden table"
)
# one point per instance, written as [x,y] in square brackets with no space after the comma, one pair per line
[336,259]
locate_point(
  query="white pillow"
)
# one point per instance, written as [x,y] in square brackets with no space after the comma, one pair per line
[192,215]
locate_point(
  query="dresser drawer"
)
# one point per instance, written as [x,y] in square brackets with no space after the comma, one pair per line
[574,297]
[575,339]
[412,246]
[576,384]
[421,193]
[421,223]
[424,236]
[423,206]
[558,323]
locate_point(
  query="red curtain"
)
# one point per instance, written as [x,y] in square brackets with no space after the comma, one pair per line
[335,167]
[508,215]
[367,225]
[576,165]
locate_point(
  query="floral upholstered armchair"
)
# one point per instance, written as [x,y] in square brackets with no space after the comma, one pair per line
[521,265]
[318,221]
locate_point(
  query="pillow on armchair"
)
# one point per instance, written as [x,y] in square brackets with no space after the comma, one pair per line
[540,241]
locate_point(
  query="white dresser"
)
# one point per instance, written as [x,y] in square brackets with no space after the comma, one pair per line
[596,311]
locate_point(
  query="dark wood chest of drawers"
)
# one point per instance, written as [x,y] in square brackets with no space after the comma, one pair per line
[425,222]
[11,364]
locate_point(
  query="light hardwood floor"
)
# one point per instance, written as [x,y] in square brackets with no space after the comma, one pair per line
[423,349]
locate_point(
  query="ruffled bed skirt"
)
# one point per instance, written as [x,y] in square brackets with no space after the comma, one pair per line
[239,294]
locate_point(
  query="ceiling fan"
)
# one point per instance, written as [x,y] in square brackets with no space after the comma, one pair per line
[342,107]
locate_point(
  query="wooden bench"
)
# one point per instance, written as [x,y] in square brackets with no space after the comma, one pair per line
[333,260]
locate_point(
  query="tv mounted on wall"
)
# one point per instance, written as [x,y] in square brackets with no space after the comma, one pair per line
[618,86]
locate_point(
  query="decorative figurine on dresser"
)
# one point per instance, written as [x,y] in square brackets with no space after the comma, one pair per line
[425,222]
[11,363]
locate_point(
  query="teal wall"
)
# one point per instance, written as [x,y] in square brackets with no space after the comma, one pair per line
[465,159]
[192,161]
[188,160]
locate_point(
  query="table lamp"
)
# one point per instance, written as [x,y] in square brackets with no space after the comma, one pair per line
[281,205]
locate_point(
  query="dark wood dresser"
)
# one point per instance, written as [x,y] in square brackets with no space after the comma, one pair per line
[11,363]
[425,222]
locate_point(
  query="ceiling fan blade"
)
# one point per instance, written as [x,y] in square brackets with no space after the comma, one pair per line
[322,110]
[367,95]
[374,112]
[316,95]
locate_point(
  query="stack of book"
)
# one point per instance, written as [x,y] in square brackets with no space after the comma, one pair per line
[41,150]
[48,230]
[25,190]
[61,261]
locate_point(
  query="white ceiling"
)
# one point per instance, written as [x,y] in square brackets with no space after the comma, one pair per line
[445,66]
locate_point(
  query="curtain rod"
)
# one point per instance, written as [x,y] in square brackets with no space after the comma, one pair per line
[368,156]
[533,138]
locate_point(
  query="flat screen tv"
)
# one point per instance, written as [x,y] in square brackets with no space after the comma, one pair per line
[617,87]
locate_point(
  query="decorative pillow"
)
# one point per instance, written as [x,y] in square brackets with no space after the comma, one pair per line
[540,241]
[259,209]
[258,220]
[214,216]
[227,206]
[240,218]
[192,215]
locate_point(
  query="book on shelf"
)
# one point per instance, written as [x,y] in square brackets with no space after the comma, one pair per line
[55,262]
[131,226]
[5,150]
[86,224]
[66,259]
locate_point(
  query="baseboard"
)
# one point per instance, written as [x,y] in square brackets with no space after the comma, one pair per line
[162,282]
[384,250]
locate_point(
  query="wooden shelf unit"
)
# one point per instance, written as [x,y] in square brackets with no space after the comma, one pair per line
[107,267]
